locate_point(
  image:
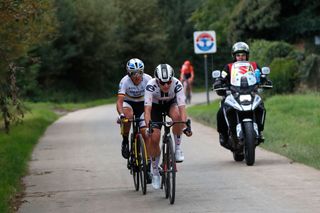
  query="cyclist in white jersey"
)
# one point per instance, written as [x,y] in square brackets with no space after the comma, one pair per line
[131,98]
[164,93]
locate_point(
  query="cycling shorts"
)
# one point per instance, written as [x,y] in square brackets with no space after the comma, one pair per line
[186,76]
[137,107]
[158,109]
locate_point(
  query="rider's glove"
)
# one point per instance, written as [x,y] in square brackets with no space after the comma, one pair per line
[187,131]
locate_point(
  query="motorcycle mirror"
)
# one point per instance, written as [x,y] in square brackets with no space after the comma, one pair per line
[265,70]
[216,74]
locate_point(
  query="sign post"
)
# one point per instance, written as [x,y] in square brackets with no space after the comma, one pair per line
[205,43]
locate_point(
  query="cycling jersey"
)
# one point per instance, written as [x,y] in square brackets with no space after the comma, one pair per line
[186,71]
[131,91]
[153,93]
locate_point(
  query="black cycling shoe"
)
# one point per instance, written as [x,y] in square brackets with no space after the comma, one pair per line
[125,150]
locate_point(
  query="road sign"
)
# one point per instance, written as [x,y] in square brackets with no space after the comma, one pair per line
[204,42]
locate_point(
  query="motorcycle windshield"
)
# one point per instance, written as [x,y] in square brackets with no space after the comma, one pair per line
[242,75]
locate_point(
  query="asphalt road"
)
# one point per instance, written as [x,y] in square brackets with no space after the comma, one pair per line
[77,167]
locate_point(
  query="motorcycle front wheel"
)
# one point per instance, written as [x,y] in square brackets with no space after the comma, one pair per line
[249,144]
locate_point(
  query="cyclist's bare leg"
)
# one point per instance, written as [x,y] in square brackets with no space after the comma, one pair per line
[128,112]
[177,131]
[185,86]
[153,143]
[154,151]
[174,114]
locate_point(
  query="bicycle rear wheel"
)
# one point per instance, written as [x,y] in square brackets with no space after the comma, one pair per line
[143,164]
[171,174]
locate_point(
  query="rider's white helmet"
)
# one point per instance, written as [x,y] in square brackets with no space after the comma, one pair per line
[134,66]
[164,72]
[240,47]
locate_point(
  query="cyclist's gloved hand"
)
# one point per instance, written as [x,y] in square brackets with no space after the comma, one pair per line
[187,131]
[149,131]
[120,118]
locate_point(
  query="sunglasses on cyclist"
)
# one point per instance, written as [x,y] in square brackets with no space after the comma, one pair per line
[140,72]
[163,83]
[240,54]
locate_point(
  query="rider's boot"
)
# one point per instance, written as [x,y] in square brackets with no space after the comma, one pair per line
[260,138]
[223,139]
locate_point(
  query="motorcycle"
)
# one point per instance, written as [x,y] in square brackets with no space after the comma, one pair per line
[243,108]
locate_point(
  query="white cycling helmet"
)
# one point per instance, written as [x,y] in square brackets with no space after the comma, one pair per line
[164,72]
[134,66]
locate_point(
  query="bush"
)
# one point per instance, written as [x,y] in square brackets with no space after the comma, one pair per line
[264,52]
[310,73]
[284,74]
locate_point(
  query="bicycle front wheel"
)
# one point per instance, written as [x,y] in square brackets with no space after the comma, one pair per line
[136,164]
[143,164]
[171,173]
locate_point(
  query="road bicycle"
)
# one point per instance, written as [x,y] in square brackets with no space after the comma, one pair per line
[138,159]
[168,167]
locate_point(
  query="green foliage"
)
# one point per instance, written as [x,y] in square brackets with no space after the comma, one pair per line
[22,25]
[15,151]
[287,65]
[299,19]
[215,15]
[253,19]
[264,52]
[178,30]
[284,75]
[310,72]
[141,25]
[293,127]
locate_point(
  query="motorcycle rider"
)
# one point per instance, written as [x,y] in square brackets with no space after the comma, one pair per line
[240,52]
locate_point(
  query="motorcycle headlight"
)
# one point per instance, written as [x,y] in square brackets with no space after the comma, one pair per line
[245,98]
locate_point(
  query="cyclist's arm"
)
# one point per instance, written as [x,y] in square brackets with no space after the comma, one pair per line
[120,103]
[148,96]
[192,74]
[147,114]
[181,75]
[183,113]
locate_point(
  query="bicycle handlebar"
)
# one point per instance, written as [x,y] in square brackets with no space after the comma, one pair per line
[126,120]
[169,123]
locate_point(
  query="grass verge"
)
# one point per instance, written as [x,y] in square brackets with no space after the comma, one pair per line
[292,126]
[16,147]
